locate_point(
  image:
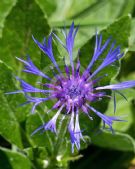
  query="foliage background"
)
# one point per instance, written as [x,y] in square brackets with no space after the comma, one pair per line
[19,19]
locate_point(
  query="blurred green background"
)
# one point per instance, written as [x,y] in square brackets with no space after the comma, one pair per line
[19,20]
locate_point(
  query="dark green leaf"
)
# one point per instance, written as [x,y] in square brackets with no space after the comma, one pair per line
[39,139]
[5,8]
[25,19]
[97,157]
[9,127]
[13,160]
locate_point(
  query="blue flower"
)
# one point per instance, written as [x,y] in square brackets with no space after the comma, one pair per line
[72,91]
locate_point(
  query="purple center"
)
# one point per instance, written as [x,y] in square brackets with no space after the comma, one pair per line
[74,91]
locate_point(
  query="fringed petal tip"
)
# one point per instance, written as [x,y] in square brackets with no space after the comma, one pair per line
[38,129]
[14,92]
[119,86]
[46,48]
[31,68]
[106,119]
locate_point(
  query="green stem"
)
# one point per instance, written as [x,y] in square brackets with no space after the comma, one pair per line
[61,135]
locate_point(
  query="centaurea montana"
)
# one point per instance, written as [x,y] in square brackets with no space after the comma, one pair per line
[72,91]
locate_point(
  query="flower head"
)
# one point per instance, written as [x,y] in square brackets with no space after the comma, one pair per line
[74,90]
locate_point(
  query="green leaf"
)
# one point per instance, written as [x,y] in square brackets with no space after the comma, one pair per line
[7,84]
[39,139]
[9,127]
[123,110]
[126,7]
[61,11]
[132,38]
[5,8]
[117,141]
[25,19]
[48,7]
[95,9]
[89,10]
[14,160]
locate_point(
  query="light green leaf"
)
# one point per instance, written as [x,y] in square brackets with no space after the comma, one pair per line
[123,110]
[132,38]
[127,7]
[48,7]
[117,141]
[89,10]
